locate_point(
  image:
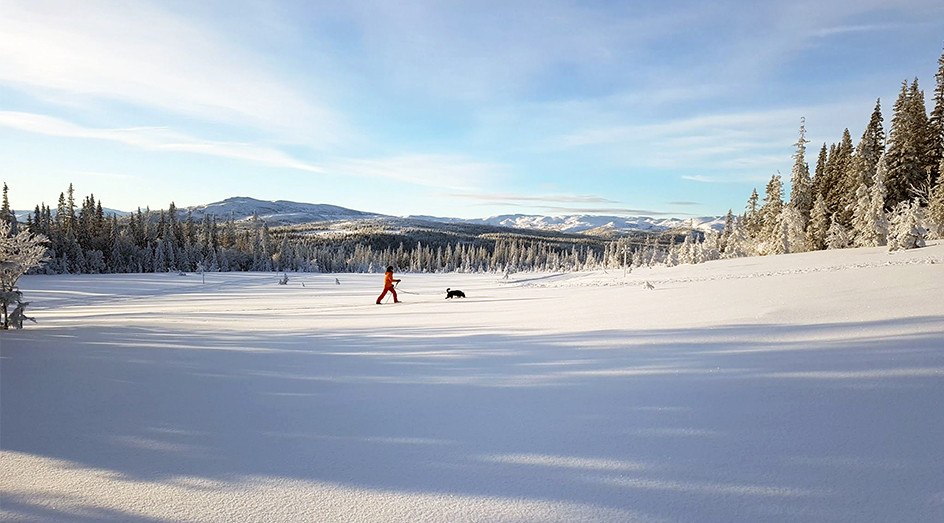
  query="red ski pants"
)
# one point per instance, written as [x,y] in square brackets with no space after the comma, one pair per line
[384,293]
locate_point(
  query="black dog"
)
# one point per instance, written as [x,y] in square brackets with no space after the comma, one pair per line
[454,294]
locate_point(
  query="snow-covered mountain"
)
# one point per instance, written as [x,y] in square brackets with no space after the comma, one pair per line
[283,212]
[280,212]
[597,225]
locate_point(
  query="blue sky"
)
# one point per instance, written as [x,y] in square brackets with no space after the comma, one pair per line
[465,109]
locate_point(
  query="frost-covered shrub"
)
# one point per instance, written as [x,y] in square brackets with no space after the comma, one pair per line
[906,231]
[836,237]
[18,253]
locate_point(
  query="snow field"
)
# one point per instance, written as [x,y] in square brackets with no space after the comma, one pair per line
[798,387]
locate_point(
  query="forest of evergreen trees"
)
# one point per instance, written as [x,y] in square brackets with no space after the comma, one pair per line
[84,240]
[885,190]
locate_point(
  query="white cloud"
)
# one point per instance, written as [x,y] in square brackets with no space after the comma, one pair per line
[740,140]
[132,52]
[843,29]
[555,198]
[486,50]
[448,172]
[154,139]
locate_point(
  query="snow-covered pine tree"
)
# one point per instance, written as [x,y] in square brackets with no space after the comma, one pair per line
[709,249]
[935,215]
[819,174]
[841,198]
[735,246]
[877,195]
[836,237]
[685,251]
[936,122]
[772,227]
[6,214]
[752,221]
[819,225]
[909,154]
[863,233]
[671,257]
[285,259]
[906,231]
[794,229]
[867,153]
[778,241]
[832,179]
[872,145]
[801,185]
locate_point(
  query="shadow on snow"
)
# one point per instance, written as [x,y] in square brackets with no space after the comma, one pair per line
[683,423]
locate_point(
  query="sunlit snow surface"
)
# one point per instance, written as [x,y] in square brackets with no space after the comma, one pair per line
[803,387]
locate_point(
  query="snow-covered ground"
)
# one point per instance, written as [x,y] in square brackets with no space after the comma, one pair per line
[802,387]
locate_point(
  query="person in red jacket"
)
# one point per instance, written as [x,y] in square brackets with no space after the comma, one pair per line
[388,286]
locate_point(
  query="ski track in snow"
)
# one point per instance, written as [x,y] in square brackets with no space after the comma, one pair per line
[786,388]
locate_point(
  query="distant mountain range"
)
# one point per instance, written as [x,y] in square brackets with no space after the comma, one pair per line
[596,225]
[283,212]
[280,212]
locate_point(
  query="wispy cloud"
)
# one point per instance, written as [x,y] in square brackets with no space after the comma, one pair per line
[698,131]
[724,179]
[137,53]
[479,51]
[705,179]
[154,139]
[552,198]
[608,211]
[563,210]
[448,172]
[739,140]
[684,204]
[868,28]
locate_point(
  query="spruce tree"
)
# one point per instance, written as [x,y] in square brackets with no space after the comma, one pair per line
[906,231]
[863,234]
[801,185]
[62,212]
[909,145]
[793,229]
[727,232]
[752,221]
[936,207]
[70,211]
[819,224]
[6,214]
[877,196]
[936,123]
[819,175]
[771,225]
[836,236]
[868,151]
[831,178]
[840,198]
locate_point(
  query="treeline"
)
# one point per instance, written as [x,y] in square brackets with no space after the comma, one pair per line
[82,239]
[885,190]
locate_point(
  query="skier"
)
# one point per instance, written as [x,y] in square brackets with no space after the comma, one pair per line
[388,286]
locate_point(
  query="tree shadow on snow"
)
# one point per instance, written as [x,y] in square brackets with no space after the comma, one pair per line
[742,422]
